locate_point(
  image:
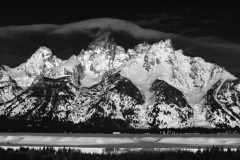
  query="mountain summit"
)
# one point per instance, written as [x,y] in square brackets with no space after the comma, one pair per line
[150,86]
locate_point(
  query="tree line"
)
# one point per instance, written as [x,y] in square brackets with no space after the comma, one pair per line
[51,126]
[49,153]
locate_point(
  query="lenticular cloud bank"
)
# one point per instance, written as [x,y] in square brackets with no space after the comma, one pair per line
[149,86]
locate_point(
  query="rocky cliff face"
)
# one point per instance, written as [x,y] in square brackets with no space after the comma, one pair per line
[150,86]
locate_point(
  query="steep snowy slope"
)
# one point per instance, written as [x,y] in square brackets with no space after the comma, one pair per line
[150,86]
[8,87]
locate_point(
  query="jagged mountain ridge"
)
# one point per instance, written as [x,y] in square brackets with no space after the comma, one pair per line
[148,86]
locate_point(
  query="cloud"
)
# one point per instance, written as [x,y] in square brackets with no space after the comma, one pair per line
[108,23]
[114,24]
[11,32]
[34,27]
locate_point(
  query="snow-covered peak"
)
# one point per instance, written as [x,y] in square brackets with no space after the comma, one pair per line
[40,56]
[47,53]
[25,74]
[102,55]
[43,57]
[192,76]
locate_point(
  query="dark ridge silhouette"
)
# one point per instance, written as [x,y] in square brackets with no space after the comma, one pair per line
[109,153]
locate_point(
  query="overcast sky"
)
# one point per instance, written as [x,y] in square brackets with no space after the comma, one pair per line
[204,21]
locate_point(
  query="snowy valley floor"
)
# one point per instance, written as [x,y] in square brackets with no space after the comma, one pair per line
[119,140]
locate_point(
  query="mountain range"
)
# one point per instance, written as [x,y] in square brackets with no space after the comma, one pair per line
[148,86]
